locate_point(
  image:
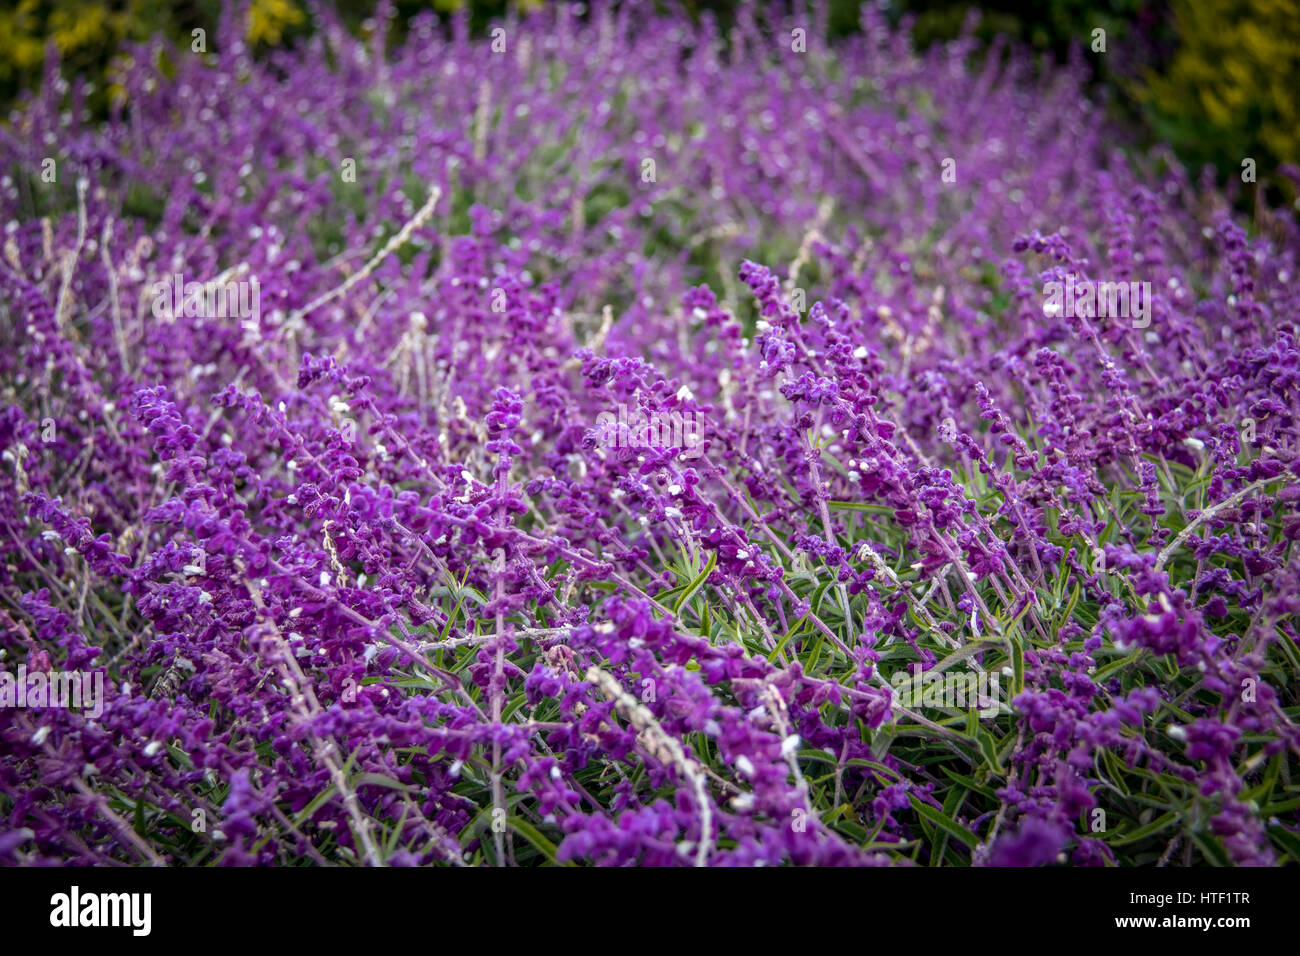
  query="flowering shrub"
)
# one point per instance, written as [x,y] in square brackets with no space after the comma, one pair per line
[945,576]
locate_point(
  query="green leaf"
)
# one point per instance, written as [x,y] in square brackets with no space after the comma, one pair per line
[970,784]
[1287,840]
[533,836]
[379,780]
[317,802]
[988,750]
[696,584]
[944,822]
[859,506]
[1214,853]
[1017,665]
[1141,833]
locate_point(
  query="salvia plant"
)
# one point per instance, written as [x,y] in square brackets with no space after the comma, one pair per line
[609,441]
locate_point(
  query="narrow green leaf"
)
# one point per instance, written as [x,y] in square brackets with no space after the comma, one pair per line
[944,822]
[533,836]
[697,583]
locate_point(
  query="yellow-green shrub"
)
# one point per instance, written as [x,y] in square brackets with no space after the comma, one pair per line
[1232,88]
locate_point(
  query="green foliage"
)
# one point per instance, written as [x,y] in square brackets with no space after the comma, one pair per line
[88,34]
[1232,89]
[1048,27]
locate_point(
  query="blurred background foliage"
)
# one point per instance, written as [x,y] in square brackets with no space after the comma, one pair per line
[1233,80]
[1217,79]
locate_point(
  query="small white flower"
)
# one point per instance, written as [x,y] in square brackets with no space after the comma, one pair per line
[152,748]
[1178,733]
[860,352]
[38,738]
[745,766]
[790,745]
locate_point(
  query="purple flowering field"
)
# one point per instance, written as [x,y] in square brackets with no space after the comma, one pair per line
[610,440]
